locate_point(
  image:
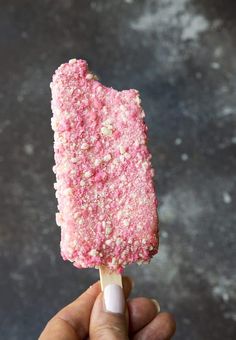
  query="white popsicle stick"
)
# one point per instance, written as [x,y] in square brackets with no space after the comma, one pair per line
[107,277]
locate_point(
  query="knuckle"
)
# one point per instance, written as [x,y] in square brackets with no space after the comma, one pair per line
[106,331]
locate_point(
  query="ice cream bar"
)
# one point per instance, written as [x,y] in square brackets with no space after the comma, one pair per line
[104,180]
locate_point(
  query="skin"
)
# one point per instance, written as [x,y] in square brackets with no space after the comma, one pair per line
[85,318]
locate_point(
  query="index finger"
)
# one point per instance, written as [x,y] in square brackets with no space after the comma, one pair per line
[72,322]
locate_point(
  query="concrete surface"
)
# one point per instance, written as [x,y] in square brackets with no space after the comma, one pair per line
[180,54]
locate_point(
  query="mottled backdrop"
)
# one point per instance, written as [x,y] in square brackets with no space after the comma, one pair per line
[180,54]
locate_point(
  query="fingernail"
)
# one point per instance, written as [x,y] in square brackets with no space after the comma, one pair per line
[157,305]
[114,299]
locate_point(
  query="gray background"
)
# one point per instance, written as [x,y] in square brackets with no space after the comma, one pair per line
[180,54]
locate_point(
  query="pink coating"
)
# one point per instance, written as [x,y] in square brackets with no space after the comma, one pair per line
[106,200]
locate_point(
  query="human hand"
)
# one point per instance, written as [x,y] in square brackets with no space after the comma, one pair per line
[90,317]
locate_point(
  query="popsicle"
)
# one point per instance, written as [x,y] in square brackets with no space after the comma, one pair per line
[104,179]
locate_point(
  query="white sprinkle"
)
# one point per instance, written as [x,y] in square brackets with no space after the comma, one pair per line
[113,261]
[145,165]
[120,212]
[151,248]
[184,157]
[127,155]
[142,141]
[93,252]
[68,191]
[136,143]
[123,178]
[138,100]
[122,108]
[84,146]
[118,241]
[226,197]
[73,160]
[144,241]
[126,223]
[105,131]
[87,174]
[122,149]
[72,61]
[97,162]
[178,141]
[108,230]
[82,183]
[58,219]
[107,158]
[215,65]
[53,123]
[108,242]
[107,123]
[139,262]
[139,227]
[89,76]
[76,215]
[122,158]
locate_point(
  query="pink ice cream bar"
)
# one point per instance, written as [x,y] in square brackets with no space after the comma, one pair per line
[106,200]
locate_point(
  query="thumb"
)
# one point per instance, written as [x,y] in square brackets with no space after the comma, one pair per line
[109,315]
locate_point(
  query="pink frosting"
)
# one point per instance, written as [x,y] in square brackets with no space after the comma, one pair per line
[106,200]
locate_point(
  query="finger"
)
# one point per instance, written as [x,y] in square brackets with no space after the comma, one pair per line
[127,285]
[74,318]
[59,330]
[108,320]
[161,328]
[141,312]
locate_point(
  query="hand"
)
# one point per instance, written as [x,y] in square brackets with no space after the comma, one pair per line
[106,316]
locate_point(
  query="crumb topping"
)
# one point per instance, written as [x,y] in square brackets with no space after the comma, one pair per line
[104,180]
